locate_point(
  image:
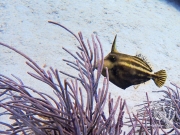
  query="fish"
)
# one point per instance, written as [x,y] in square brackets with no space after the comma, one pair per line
[126,70]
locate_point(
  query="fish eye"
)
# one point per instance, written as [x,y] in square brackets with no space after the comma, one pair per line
[113,58]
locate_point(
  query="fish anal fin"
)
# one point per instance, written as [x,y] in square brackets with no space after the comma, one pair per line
[160,78]
[136,86]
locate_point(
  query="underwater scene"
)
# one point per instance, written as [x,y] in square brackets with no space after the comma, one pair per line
[90,67]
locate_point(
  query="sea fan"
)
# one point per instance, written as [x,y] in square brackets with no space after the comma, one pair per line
[157,117]
[67,112]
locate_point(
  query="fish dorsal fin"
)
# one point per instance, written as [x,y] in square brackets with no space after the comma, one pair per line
[144,60]
[113,48]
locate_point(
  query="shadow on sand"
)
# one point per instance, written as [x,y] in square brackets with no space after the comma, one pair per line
[174,3]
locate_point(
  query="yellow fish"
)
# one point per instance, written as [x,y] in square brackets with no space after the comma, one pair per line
[126,70]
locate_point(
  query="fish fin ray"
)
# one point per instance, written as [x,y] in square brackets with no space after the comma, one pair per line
[136,86]
[144,61]
[160,80]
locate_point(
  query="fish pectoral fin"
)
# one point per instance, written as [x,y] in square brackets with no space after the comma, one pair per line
[160,78]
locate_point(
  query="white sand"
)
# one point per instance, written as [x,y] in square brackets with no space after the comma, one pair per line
[149,27]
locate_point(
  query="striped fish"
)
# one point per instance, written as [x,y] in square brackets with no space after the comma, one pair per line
[125,70]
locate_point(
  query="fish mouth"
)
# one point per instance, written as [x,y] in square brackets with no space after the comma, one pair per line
[108,64]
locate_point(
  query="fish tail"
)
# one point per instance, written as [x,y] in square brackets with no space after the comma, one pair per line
[160,78]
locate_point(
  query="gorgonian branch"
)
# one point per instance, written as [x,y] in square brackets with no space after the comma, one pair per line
[67,111]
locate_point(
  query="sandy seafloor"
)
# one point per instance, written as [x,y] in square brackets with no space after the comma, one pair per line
[149,27]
